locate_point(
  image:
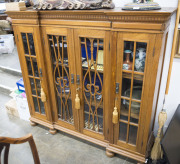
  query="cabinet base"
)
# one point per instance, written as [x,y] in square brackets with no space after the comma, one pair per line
[33,123]
[52,131]
[109,153]
[127,153]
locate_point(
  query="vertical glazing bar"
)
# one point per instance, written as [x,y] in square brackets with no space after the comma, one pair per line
[96,106]
[33,72]
[131,90]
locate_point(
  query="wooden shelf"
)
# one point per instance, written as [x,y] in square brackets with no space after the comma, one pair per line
[177,56]
[124,112]
[128,75]
[92,70]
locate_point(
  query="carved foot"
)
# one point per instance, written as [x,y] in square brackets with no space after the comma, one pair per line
[33,123]
[109,153]
[52,131]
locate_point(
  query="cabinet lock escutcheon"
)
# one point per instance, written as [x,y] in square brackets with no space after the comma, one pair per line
[72,78]
[117,87]
[78,79]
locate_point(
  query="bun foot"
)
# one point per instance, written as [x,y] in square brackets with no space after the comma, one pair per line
[33,123]
[109,153]
[52,131]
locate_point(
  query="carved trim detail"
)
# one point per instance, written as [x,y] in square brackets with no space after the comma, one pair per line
[138,18]
[70,16]
[155,18]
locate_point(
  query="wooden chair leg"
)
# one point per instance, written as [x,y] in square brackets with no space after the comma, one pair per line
[34,151]
[6,154]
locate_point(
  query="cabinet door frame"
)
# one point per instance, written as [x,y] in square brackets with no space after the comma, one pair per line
[60,31]
[97,34]
[40,62]
[150,40]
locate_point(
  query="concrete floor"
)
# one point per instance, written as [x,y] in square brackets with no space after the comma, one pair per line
[10,60]
[53,149]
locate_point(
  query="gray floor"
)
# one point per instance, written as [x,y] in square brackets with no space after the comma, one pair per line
[53,149]
[10,60]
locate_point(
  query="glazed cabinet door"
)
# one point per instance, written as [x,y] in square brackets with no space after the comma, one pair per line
[29,48]
[92,82]
[133,64]
[58,46]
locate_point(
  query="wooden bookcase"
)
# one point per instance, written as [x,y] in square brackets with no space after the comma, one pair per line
[109,58]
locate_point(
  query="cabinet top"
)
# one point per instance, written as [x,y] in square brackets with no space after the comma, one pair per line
[116,15]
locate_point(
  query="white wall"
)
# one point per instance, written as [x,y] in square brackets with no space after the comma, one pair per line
[173,98]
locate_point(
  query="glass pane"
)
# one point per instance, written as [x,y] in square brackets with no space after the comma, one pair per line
[124,110]
[128,55]
[38,85]
[135,109]
[126,87]
[42,106]
[35,66]
[28,62]
[31,43]
[92,66]
[137,89]
[24,39]
[132,134]
[32,86]
[59,56]
[36,104]
[122,131]
[140,56]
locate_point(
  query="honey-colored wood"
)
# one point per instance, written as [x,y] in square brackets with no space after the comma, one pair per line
[114,27]
[109,153]
[33,123]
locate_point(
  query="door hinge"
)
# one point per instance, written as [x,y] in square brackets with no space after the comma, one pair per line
[153,51]
[109,46]
[117,88]
[108,131]
[72,78]
[78,79]
[17,38]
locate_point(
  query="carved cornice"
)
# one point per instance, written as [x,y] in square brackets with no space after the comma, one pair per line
[74,16]
[23,14]
[116,15]
[138,18]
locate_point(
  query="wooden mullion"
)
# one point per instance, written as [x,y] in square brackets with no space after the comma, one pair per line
[36,96]
[32,56]
[127,98]
[33,71]
[131,90]
[38,78]
[92,61]
[133,124]
[124,121]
